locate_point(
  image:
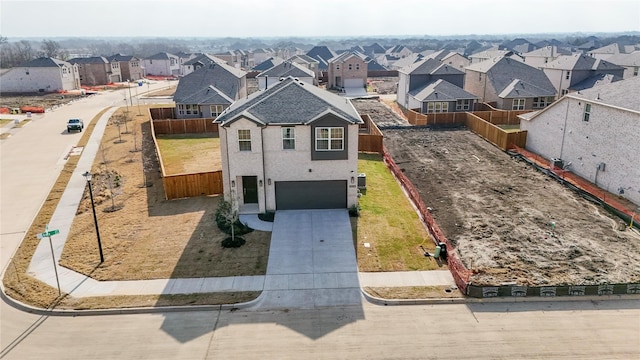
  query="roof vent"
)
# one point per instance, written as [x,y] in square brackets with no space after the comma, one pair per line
[281,79]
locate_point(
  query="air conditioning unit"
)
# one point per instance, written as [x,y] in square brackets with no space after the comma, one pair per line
[362,181]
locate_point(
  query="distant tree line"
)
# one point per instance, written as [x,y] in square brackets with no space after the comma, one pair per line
[18,52]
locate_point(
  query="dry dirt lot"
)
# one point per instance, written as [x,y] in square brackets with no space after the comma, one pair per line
[509,222]
[380,113]
[46,101]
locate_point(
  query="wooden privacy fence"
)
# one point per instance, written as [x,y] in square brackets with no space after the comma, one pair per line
[187,185]
[184,126]
[501,138]
[162,113]
[369,137]
[482,123]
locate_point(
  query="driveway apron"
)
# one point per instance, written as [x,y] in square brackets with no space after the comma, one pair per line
[312,261]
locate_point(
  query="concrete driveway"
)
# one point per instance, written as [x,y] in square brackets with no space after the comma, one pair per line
[312,261]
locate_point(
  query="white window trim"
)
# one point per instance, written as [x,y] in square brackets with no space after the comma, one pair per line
[329,139]
[218,110]
[518,104]
[436,107]
[292,138]
[463,104]
[244,140]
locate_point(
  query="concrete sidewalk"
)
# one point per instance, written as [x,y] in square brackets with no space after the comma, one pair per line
[79,285]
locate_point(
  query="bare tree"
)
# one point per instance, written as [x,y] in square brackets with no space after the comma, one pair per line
[50,48]
[24,51]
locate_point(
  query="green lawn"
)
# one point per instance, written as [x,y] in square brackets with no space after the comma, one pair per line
[389,224]
[190,153]
[510,128]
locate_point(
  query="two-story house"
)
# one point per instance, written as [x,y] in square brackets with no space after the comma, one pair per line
[347,70]
[97,70]
[197,62]
[292,146]
[539,57]
[509,84]
[210,89]
[630,62]
[162,64]
[273,75]
[41,75]
[130,66]
[567,72]
[415,77]
[594,133]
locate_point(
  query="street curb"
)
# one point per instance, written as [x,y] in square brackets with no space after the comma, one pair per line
[120,311]
[510,299]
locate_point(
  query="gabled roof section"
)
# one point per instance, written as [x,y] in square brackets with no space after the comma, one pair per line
[120,57]
[287,69]
[441,90]
[45,62]
[408,60]
[621,94]
[304,58]
[489,54]
[160,56]
[547,52]
[611,49]
[375,48]
[430,67]
[503,71]
[594,81]
[290,102]
[632,59]
[579,62]
[521,89]
[346,56]
[204,59]
[268,63]
[321,52]
[89,60]
[208,95]
[222,77]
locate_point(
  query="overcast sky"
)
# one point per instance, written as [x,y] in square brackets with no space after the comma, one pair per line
[267,18]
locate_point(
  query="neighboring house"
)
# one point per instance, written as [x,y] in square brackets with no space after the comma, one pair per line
[197,62]
[518,46]
[595,134]
[445,56]
[399,51]
[510,84]
[40,75]
[268,78]
[260,55]
[268,64]
[440,97]
[540,57]
[488,54]
[347,70]
[405,61]
[293,146]
[162,64]
[567,71]
[417,76]
[308,62]
[97,70]
[607,51]
[183,57]
[374,50]
[130,66]
[207,91]
[630,63]
[322,54]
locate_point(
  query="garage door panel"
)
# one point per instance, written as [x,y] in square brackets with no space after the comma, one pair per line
[353,83]
[296,195]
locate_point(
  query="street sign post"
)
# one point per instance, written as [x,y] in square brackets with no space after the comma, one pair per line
[48,234]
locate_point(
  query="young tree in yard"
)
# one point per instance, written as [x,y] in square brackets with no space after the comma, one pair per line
[227,219]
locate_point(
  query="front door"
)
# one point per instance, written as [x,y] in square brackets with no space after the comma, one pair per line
[250,189]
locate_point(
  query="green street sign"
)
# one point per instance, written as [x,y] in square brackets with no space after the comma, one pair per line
[48,233]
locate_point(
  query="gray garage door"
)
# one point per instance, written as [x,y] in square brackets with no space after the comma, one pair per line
[295,195]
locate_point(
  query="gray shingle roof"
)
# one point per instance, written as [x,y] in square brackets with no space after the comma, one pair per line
[204,59]
[89,60]
[222,77]
[305,58]
[321,52]
[623,94]
[441,90]
[521,89]
[428,66]
[287,69]
[120,57]
[503,71]
[44,62]
[290,102]
[632,59]
[160,56]
[594,81]
[268,64]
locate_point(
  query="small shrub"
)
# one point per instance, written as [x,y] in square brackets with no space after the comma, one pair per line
[233,242]
[267,216]
[354,210]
